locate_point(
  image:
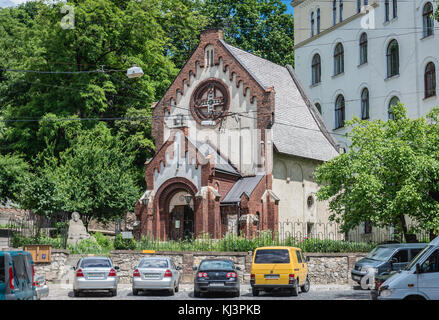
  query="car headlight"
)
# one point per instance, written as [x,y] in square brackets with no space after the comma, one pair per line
[386,293]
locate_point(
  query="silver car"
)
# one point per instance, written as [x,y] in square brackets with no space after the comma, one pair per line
[156,274]
[95,274]
[41,287]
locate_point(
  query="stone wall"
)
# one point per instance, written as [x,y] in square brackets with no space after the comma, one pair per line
[324,268]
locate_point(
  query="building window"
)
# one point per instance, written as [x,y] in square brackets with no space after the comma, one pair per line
[339,112]
[334,12]
[319,107]
[395,8]
[387,9]
[430,80]
[316,69]
[341,10]
[338,59]
[310,201]
[393,59]
[358,6]
[365,104]
[312,24]
[363,49]
[393,102]
[428,19]
[318,21]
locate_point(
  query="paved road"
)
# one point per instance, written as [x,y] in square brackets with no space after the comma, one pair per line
[317,292]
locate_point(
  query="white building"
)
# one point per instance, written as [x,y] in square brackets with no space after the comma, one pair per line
[356,60]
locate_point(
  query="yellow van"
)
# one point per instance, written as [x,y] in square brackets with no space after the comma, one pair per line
[279,268]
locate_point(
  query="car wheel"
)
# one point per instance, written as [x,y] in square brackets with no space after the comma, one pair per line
[172,291]
[135,292]
[114,292]
[197,294]
[76,293]
[176,288]
[237,294]
[255,292]
[305,287]
[295,290]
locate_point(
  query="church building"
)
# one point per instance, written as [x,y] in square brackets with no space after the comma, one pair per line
[237,143]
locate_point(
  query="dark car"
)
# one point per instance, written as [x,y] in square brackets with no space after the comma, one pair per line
[216,275]
[386,258]
[16,275]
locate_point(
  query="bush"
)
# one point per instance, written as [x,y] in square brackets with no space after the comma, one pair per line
[87,246]
[103,241]
[124,244]
[18,241]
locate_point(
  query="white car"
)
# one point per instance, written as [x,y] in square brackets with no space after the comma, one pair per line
[418,281]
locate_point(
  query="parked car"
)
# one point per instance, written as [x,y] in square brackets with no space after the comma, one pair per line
[216,275]
[385,259]
[279,268]
[156,274]
[419,280]
[16,275]
[95,274]
[41,287]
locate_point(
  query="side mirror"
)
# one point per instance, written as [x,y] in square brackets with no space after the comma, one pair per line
[178,268]
[116,268]
[74,268]
[418,268]
[194,268]
[238,268]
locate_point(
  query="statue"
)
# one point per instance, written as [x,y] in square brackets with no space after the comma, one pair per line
[77,231]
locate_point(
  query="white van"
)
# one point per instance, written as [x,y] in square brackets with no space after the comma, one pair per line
[419,280]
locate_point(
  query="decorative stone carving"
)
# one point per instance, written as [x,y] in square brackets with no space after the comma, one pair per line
[77,231]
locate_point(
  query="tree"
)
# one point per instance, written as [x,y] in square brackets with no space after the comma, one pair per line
[13,173]
[261,27]
[389,175]
[95,176]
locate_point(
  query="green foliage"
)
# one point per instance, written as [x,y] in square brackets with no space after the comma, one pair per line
[124,244]
[390,173]
[104,242]
[13,173]
[87,246]
[18,241]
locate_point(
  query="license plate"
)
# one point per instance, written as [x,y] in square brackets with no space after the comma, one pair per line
[271,276]
[216,284]
[152,276]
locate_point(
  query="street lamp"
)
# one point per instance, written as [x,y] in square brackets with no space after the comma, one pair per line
[145,201]
[134,72]
[188,198]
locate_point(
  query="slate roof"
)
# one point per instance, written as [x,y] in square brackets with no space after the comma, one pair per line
[220,162]
[298,127]
[244,185]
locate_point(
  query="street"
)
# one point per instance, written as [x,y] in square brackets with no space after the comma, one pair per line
[317,292]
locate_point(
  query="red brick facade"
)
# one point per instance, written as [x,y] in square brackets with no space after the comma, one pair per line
[208,214]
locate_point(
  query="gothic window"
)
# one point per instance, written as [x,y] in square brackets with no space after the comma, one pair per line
[338,59]
[210,101]
[387,9]
[312,24]
[334,12]
[365,104]
[393,58]
[427,16]
[363,48]
[209,57]
[430,80]
[339,112]
[395,8]
[316,69]
[393,102]
[341,10]
[318,21]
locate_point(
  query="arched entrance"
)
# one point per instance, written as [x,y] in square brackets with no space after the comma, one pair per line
[177,216]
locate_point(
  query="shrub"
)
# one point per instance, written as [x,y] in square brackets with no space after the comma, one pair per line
[124,244]
[87,246]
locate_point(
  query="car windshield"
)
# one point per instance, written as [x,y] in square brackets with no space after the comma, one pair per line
[272,256]
[216,265]
[380,253]
[153,263]
[416,259]
[2,269]
[95,263]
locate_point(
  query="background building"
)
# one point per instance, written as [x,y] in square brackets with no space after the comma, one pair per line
[356,58]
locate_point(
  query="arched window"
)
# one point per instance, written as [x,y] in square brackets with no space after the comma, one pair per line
[319,107]
[427,17]
[393,58]
[339,112]
[387,9]
[316,69]
[318,21]
[341,10]
[395,8]
[312,24]
[393,102]
[430,80]
[338,59]
[365,104]
[334,12]
[358,6]
[363,48]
